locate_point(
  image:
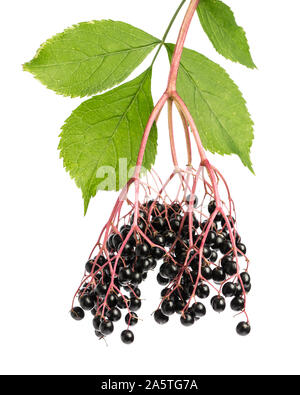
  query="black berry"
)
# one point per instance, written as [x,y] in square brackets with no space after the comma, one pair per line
[77,313]
[243,328]
[160,318]
[106,327]
[127,336]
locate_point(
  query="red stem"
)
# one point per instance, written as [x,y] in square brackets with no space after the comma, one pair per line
[179,46]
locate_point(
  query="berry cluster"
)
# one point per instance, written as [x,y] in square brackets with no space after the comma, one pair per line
[200,253]
[200,258]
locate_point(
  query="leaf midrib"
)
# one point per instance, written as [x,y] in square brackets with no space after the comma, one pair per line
[97,56]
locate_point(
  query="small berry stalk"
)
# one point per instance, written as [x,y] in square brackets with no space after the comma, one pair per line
[197,240]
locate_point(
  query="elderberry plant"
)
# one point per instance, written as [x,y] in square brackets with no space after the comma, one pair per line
[185,225]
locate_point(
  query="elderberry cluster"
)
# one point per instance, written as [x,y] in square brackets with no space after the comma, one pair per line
[192,257]
[198,258]
[115,284]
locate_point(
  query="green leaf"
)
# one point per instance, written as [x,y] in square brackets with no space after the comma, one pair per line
[90,57]
[227,37]
[105,129]
[216,105]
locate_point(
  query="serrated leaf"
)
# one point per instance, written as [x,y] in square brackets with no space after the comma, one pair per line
[105,129]
[90,57]
[227,37]
[216,104]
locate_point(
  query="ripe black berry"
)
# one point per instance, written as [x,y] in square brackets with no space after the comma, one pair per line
[114,314]
[202,291]
[152,262]
[159,240]
[206,272]
[125,229]
[206,252]
[101,289]
[86,302]
[175,224]
[127,249]
[229,290]
[218,275]
[131,319]
[125,275]
[135,304]
[238,289]
[225,247]
[127,336]
[112,300]
[115,241]
[162,280]
[213,256]
[218,217]
[94,311]
[89,265]
[136,278]
[199,309]
[218,242]
[142,250]
[142,224]
[243,329]
[160,318]
[106,327]
[211,207]
[121,303]
[187,319]
[245,278]
[211,237]
[172,270]
[168,307]
[237,303]
[165,292]
[160,207]
[157,252]
[242,248]
[163,270]
[77,313]
[175,207]
[158,223]
[139,266]
[97,321]
[179,306]
[170,237]
[218,303]
[230,268]
[247,287]
[136,292]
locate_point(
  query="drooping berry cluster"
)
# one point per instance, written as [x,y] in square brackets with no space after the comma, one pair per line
[198,246]
[201,258]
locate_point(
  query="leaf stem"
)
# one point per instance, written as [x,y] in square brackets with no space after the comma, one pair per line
[180,44]
[187,134]
[192,124]
[167,31]
[171,132]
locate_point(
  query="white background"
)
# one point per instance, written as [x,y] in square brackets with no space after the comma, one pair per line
[45,239]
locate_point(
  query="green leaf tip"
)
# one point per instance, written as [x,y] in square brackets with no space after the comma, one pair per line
[229,39]
[216,104]
[101,138]
[90,57]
